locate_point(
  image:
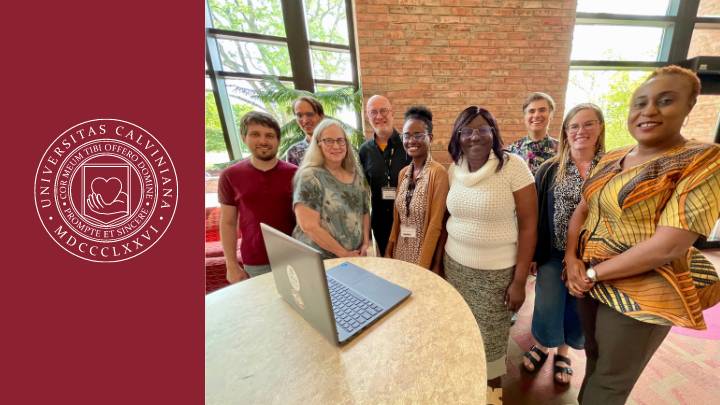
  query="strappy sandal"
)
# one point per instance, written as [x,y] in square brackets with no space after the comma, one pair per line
[537,364]
[562,369]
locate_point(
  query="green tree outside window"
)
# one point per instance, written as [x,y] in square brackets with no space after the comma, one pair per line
[325,20]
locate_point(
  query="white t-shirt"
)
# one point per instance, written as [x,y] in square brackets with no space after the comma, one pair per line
[482,229]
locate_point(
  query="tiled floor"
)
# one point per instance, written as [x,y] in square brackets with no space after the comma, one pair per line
[525,388]
[685,370]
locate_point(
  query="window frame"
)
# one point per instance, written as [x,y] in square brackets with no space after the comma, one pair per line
[298,46]
[679,23]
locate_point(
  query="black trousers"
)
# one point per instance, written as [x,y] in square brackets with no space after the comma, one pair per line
[618,348]
[381,221]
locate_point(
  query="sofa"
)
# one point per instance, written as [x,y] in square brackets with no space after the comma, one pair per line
[215,269]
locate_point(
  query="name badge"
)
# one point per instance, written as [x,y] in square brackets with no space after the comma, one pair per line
[388,193]
[408,231]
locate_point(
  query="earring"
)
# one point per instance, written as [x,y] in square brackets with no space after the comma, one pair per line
[687,119]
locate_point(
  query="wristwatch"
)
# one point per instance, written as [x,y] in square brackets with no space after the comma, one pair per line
[591,274]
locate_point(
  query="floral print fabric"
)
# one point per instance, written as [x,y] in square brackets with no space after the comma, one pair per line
[341,206]
[408,249]
[567,197]
[296,153]
[534,153]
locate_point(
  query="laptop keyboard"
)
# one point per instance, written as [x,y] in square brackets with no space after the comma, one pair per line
[351,311]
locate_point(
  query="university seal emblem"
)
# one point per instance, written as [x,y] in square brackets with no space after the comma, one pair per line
[106,190]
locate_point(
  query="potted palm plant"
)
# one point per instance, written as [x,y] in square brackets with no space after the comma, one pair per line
[333,101]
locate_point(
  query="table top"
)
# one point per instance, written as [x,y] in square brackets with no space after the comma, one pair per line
[428,349]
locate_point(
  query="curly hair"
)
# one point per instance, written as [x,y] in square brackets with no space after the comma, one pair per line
[422,113]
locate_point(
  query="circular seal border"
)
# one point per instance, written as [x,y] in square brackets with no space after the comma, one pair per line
[44,161]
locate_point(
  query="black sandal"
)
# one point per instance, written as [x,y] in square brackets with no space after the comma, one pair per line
[562,369]
[537,364]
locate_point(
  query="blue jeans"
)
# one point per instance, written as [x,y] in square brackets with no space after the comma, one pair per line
[555,318]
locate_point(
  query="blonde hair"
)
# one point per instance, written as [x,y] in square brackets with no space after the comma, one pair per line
[692,78]
[563,154]
[314,156]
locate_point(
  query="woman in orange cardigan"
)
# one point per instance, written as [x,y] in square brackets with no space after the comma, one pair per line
[420,200]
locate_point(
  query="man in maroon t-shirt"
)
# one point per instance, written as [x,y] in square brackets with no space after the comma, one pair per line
[255,190]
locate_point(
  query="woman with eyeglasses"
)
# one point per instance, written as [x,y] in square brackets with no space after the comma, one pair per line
[420,199]
[331,199]
[629,250]
[491,229]
[555,321]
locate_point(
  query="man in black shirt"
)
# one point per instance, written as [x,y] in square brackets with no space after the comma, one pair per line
[382,157]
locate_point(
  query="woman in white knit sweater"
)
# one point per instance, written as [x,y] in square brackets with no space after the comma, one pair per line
[491,229]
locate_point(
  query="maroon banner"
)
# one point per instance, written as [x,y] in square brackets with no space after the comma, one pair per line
[103,280]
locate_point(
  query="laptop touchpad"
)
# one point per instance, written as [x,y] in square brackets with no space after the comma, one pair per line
[348,274]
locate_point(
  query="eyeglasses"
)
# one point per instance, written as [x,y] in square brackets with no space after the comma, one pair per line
[331,141]
[307,115]
[383,111]
[417,136]
[575,128]
[468,132]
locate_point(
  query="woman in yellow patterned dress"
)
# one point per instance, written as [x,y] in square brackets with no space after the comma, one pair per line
[629,250]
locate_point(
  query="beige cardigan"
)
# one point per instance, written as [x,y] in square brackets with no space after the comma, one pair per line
[438,187]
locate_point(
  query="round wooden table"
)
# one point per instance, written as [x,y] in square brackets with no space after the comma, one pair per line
[427,350]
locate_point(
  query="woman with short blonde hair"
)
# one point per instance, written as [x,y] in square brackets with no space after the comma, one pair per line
[630,253]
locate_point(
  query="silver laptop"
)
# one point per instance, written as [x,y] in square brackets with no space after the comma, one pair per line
[339,303]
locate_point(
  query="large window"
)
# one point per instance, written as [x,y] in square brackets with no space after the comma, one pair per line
[645,44]
[215,150]
[638,36]
[634,7]
[262,54]
[611,90]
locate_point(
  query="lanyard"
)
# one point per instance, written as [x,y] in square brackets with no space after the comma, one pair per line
[411,187]
[388,163]
[410,190]
[388,160]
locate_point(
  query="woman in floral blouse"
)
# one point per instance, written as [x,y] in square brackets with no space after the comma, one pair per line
[331,199]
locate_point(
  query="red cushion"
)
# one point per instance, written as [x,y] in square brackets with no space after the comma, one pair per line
[215,269]
[212,224]
[215,277]
[213,249]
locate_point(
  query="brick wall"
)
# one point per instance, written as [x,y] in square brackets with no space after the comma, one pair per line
[709,8]
[703,119]
[449,54]
[705,42]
